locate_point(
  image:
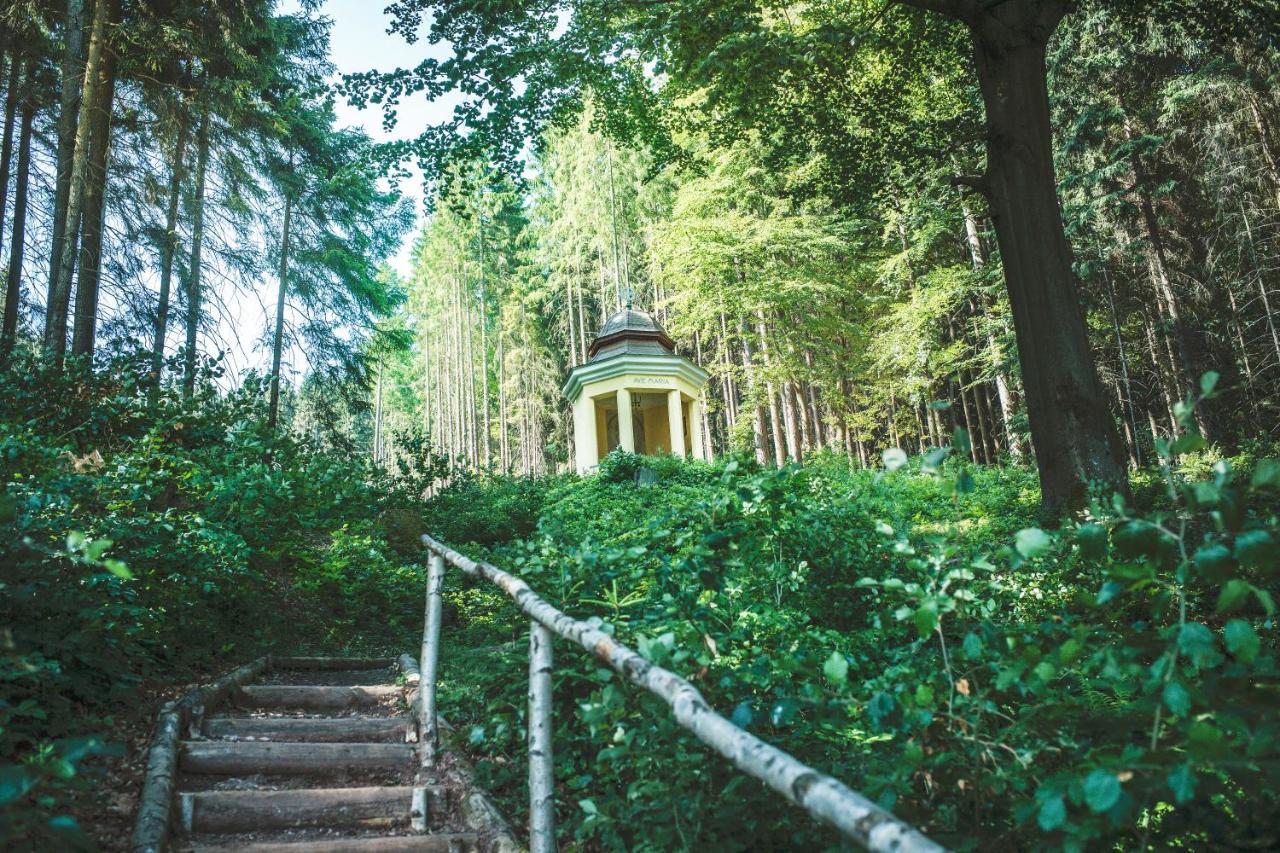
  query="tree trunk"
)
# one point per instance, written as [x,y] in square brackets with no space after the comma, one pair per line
[377,418]
[1071,426]
[504,444]
[73,60]
[84,330]
[1163,381]
[277,344]
[13,289]
[757,423]
[194,275]
[1185,368]
[1126,404]
[59,301]
[1270,148]
[6,144]
[170,246]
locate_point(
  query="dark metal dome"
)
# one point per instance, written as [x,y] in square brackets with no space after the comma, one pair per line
[630,331]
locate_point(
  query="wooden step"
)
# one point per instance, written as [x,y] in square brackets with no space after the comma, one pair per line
[231,758]
[432,843]
[250,811]
[309,729]
[331,663]
[315,697]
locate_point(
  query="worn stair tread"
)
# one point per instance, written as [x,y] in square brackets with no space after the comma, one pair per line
[251,810]
[331,663]
[308,729]
[236,757]
[428,843]
[316,696]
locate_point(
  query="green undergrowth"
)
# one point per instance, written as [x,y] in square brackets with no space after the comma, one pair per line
[149,543]
[913,632]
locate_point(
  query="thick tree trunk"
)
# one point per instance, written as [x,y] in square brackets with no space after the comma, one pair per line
[170,245]
[194,274]
[1071,425]
[84,330]
[59,301]
[277,344]
[73,59]
[13,289]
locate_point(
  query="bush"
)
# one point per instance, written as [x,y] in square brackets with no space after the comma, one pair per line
[145,538]
[910,631]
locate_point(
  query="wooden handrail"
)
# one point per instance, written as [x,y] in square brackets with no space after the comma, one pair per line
[827,799]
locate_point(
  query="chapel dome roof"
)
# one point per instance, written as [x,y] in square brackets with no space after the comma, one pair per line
[630,331]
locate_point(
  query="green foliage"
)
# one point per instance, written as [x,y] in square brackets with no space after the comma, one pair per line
[909,631]
[147,542]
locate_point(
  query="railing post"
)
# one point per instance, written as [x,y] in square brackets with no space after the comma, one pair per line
[542,827]
[428,731]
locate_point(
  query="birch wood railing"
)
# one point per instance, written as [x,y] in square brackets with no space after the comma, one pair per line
[823,797]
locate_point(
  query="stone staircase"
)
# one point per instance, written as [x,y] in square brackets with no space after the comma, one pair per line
[318,755]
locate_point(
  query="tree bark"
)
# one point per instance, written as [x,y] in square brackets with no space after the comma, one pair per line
[73,60]
[84,330]
[194,293]
[1185,369]
[13,289]
[757,423]
[277,345]
[1071,425]
[170,246]
[55,331]
[10,122]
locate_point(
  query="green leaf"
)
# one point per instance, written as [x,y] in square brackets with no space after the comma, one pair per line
[926,617]
[1052,814]
[933,458]
[836,668]
[1182,781]
[1256,548]
[1032,542]
[1233,595]
[1242,640]
[1197,643]
[118,568]
[1266,474]
[783,712]
[1101,790]
[1177,698]
[960,440]
[1208,380]
[894,458]
[1214,561]
[1092,541]
[972,646]
[1188,442]
[15,780]
[742,715]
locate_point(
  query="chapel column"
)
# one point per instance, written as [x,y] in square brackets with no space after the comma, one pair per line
[675,419]
[626,434]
